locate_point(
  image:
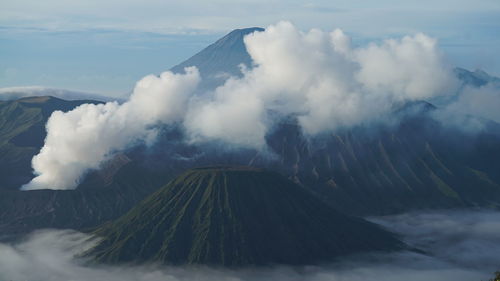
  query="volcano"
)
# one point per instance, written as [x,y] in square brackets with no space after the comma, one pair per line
[236,216]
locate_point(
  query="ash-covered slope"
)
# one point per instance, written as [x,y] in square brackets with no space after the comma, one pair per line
[236,216]
[221,58]
[418,164]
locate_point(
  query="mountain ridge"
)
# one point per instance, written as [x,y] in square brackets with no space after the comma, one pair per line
[12,93]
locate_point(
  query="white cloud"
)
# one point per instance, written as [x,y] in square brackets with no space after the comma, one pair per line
[318,77]
[412,66]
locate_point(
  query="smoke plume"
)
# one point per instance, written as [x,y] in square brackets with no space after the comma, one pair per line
[316,76]
[83,138]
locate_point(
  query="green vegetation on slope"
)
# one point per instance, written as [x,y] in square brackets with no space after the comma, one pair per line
[236,216]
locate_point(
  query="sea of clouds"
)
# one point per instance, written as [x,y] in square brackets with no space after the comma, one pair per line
[458,246]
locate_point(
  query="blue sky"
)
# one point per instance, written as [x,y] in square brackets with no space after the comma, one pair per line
[105,46]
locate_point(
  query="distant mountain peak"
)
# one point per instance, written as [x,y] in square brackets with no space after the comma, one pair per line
[221,59]
[241,32]
[475,78]
[484,75]
[13,93]
[244,31]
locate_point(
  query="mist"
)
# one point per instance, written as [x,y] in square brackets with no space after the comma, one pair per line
[472,108]
[459,246]
[316,76]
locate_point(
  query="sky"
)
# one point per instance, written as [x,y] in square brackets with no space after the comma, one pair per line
[106,46]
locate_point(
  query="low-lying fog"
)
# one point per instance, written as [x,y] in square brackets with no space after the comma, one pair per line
[461,245]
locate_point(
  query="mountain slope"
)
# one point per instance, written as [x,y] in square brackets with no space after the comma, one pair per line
[236,216]
[12,93]
[416,164]
[88,206]
[221,58]
[476,78]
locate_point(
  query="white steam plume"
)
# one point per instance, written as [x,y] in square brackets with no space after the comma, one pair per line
[83,138]
[316,76]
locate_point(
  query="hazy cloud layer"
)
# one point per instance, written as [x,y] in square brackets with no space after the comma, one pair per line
[316,76]
[371,18]
[472,108]
[468,239]
[464,245]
